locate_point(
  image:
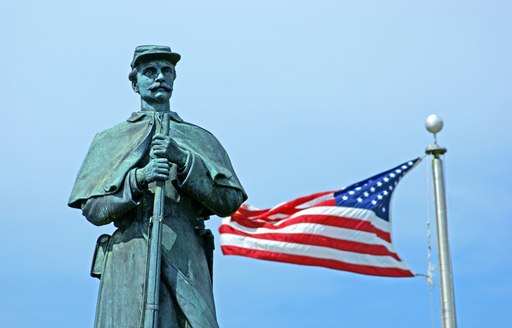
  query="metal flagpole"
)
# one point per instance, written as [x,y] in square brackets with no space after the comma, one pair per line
[434,124]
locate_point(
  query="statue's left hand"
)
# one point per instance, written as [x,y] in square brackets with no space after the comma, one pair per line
[164,147]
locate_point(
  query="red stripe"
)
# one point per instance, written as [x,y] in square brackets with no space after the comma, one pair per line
[261,216]
[247,212]
[328,220]
[315,240]
[289,207]
[285,208]
[305,260]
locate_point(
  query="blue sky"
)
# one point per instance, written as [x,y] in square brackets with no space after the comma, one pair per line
[306,96]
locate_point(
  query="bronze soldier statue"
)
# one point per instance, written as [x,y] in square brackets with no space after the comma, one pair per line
[116,183]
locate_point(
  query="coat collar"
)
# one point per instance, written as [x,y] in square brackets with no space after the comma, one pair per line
[136,116]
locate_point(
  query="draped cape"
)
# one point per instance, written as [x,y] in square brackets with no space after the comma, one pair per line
[117,150]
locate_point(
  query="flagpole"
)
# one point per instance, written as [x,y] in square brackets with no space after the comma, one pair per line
[434,124]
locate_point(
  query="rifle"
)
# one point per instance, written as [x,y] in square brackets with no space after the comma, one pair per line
[151,306]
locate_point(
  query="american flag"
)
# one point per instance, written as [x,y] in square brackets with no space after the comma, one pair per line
[347,229]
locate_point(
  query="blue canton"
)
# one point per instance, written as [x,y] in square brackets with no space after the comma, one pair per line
[374,193]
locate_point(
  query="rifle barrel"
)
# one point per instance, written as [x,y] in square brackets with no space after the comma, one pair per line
[151,305]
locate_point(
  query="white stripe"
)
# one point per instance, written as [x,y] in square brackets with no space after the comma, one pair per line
[320,230]
[277,216]
[347,212]
[315,201]
[339,211]
[311,251]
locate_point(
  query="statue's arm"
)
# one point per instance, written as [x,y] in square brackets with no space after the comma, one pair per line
[104,209]
[195,180]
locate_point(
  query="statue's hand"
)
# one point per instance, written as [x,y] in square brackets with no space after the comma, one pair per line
[156,169]
[163,146]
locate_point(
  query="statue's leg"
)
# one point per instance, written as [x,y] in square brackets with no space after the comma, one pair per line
[170,314]
[121,294]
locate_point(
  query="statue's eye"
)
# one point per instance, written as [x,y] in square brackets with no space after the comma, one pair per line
[166,70]
[149,71]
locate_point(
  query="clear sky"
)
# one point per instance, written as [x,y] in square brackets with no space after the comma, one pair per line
[306,96]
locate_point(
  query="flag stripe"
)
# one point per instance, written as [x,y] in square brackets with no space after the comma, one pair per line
[315,240]
[335,211]
[284,208]
[311,251]
[327,220]
[326,263]
[318,229]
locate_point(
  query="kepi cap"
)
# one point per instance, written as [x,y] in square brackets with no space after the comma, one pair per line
[154,52]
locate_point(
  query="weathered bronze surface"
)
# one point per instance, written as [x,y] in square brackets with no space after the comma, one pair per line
[116,184]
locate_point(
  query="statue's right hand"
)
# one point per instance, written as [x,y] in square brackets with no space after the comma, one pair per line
[156,170]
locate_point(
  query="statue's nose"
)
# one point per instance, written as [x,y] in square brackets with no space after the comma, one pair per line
[160,77]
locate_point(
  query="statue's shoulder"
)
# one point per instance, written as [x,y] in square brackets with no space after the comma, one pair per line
[111,154]
[113,130]
[115,127]
[199,133]
[212,153]
[198,128]
[135,124]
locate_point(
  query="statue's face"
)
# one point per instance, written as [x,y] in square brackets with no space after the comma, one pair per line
[155,80]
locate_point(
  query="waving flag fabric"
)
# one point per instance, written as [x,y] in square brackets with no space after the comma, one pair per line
[347,229]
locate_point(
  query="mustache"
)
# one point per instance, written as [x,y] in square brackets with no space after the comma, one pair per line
[160,85]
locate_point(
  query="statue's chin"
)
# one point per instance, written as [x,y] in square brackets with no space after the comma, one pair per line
[159,98]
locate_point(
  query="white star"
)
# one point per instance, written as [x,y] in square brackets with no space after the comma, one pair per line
[404,167]
[366,194]
[358,188]
[372,189]
[374,202]
[351,192]
[390,188]
[385,193]
[383,209]
[360,200]
[398,171]
[386,179]
[379,183]
[344,197]
[379,196]
[410,163]
[392,175]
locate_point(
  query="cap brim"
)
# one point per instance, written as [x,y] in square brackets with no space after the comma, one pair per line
[173,57]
